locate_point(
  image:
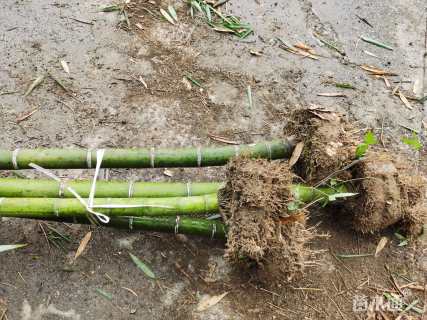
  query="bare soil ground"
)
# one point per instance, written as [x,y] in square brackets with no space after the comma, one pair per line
[107,106]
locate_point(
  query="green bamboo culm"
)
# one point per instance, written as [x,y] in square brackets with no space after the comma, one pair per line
[142,158]
[30,188]
[190,226]
[45,208]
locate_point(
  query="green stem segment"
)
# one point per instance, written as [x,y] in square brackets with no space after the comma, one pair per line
[29,188]
[141,158]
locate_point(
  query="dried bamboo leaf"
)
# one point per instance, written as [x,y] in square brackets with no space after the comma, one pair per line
[381,245]
[172,13]
[167,16]
[64,65]
[8,247]
[208,302]
[296,154]
[34,85]
[83,244]
[142,266]
[404,100]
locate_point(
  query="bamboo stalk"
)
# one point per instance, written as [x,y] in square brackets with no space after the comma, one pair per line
[192,226]
[196,205]
[45,208]
[29,188]
[141,158]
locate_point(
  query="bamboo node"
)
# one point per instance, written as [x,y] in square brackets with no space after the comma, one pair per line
[89,159]
[199,156]
[189,189]
[131,189]
[177,224]
[152,156]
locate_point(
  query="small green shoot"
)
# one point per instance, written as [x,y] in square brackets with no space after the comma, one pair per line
[142,266]
[8,247]
[368,140]
[403,240]
[414,142]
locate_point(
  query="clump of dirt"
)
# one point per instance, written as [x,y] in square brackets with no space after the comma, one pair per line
[254,205]
[328,143]
[388,193]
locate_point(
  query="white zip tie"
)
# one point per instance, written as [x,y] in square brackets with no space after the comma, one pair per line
[131,187]
[189,189]
[199,156]
[15,159]
[61,190]
[99,156]
[130,223]
[236,150]
[213,230]
[269,149]
[89,159]
[51,175]
[177,224]
[152,156]
[55,208]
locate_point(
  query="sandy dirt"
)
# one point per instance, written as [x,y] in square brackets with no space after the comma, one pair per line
[107,106]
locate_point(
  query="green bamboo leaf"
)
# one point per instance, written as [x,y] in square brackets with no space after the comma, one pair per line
[376,43]
[8,247]
[345,86]
[361,150]
[141,265]
[167,16]
[172,13]
[105,294]
[208,13]
[334,197]
[196,5]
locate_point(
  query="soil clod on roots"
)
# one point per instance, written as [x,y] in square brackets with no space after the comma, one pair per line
[254,204]
[328,145]
[389,193]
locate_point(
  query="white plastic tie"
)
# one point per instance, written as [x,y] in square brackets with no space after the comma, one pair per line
[189,189]
[89,159]
[269,150]
[15,159]
[236,150]
[61,189]
[152,156]
[131,188]
[213,230]
[199,156]
[177,224]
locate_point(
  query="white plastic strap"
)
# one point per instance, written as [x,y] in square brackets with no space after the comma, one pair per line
[61,189]
[152,156]
[236,150]
[199,156]
[177,224]
[189,189]
[15,159]
[89,159]
[269,150]
[99,157]
[213,230]
[46,172]
[131,187]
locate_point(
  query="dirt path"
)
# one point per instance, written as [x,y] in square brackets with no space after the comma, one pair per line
[107,105]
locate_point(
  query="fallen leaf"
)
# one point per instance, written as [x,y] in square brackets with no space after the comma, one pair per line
[223,29]
[64,65]
[377,71]
[296,154]
[26,115]
[141,265]
[167,16]
[332,94]
[300,217]
[208,302]
[172,13]
[105,294]
[7,247]
[83,244]
[143,82]
[255,53]
[405,101]
[34,85]
[380,246]
[222,139]
[168,173]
